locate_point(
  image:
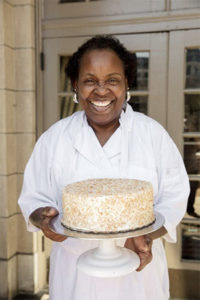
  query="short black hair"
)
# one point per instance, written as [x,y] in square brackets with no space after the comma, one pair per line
[103,42]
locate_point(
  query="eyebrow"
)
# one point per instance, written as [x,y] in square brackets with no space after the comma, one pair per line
[110,74]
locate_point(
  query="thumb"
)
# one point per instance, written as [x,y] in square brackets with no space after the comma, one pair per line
[50,211]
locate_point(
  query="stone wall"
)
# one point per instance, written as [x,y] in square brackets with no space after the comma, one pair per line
[18,248]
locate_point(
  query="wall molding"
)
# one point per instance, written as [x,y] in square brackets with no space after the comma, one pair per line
[132,23]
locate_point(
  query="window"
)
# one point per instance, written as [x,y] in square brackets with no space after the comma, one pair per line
[65,95]
[192,123]
[139,90]
[190,241]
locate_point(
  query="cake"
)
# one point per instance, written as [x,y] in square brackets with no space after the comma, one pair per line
[108,205]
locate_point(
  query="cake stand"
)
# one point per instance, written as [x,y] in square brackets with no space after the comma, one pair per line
[108,259]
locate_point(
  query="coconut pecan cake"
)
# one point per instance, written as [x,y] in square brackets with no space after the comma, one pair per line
[108,205]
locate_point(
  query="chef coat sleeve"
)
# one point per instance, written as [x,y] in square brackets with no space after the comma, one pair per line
[37,185]
[172,197]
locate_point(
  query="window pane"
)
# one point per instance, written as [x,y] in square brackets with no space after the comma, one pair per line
[192,155]
[67,106]
[142,71]
[192,113]
[190,241]
[194,198]
[64,82]
[192,68]
[139,103]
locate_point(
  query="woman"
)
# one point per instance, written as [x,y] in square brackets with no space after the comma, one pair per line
[107,140]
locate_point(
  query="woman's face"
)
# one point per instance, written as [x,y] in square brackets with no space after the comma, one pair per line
[101,86]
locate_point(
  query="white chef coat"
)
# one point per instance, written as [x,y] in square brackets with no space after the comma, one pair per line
[69,151]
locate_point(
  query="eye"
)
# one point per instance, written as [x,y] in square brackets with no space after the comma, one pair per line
[113,81]
[89,82]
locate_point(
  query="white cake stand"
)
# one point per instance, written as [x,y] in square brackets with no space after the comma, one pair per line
[108,259]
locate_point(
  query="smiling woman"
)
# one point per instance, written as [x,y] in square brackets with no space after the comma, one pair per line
[105,140]
[101,88]
[100,72]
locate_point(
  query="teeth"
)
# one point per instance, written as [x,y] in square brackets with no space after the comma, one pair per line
[101,103]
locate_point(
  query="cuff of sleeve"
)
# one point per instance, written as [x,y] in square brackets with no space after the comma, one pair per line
[171,235]
[30,227]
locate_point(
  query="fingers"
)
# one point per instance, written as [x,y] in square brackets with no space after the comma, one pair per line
[38,216]
[145,259]
[49,233]
[50,211]
[144,251]
[142,245]
[47,214]
[53,236]
[42,218]
[129,244]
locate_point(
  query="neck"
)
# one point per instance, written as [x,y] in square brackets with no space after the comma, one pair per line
[104,131]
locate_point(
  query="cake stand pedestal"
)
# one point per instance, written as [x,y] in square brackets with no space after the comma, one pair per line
[108,259]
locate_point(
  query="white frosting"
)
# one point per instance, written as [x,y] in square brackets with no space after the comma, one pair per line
[102,205]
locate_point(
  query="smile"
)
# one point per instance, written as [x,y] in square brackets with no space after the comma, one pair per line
[101,103]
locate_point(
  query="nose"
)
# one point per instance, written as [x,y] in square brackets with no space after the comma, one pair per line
[101,89]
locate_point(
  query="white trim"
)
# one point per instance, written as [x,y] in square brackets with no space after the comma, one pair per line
[191,91]
[132,23]
[53,9]
[191,134]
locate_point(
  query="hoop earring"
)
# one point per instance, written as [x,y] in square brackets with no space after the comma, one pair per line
[128,96]
[75,98]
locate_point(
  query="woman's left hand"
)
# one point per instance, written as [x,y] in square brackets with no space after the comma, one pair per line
[141,245]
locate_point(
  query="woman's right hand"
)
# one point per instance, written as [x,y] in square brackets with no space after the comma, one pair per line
[42,218]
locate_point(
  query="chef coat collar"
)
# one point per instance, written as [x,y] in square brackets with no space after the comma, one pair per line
[113,146]
[126,118]
[85,141]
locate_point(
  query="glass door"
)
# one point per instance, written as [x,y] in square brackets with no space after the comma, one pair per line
[183,123]
[184,106]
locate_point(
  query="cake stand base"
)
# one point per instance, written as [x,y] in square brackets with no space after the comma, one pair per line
[108,260]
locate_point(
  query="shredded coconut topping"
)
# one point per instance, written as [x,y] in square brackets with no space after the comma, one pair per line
[104,205]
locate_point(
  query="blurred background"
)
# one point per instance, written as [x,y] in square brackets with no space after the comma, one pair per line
[36,41]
